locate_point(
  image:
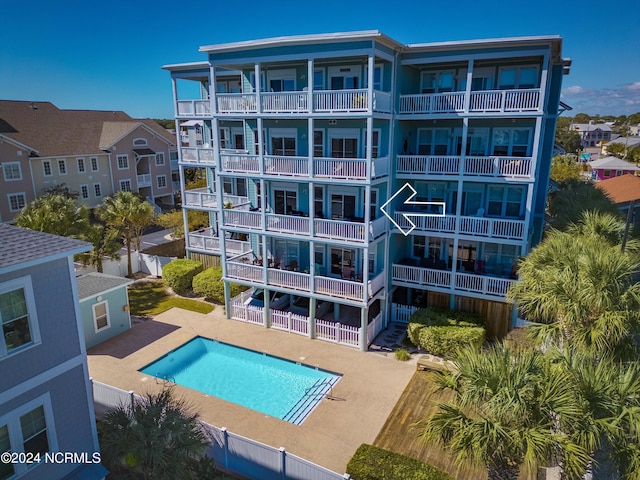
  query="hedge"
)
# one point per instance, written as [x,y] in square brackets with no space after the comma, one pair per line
[209,284]
[179,274]
[373,463]
[441,332]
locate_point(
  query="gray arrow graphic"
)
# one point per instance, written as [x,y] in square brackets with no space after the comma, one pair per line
[407,216]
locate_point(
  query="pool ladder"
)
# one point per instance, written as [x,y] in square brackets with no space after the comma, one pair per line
[303,407]
[317,386]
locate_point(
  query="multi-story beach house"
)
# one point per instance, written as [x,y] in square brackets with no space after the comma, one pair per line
[47,421]
[306,138]
[94,153]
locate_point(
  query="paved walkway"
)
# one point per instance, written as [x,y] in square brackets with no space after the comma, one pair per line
[370,386]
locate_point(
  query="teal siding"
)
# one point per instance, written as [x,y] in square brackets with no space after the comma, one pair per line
[118,318]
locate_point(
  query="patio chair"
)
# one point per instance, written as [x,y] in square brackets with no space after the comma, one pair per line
[347,273]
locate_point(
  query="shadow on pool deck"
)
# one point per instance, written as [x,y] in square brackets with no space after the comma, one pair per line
[370,385]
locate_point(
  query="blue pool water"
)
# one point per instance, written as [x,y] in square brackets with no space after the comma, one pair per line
[271,385]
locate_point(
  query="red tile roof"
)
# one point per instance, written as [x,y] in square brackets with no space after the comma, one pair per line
[621,189]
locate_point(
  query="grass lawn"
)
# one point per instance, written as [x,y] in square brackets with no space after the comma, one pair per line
[151,298]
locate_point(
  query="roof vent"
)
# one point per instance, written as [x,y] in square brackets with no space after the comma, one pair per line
[33,106]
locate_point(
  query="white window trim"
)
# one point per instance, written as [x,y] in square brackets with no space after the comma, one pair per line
[377,66]
[511,144]
[88,193]
[341,71]
[163,159]
[517,80]
[94,190]
[140,142]
[365,143]
[324,141]
[97,164]
[130,184]
[95,319]
[158,177]
[123,156]
[15,194]
[4,171]
[44,171]
[64,162]
[12,421]
[84,164]
[283,133]
[282,74]
[34,329]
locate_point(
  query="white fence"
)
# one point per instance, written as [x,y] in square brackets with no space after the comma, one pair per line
[338,333]
[234,453]
[401,313]
[375,327]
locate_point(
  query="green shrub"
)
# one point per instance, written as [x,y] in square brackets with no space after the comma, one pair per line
[402,354]
[373,463]
[179,274]
[441,332]
[209,284]
[444,341]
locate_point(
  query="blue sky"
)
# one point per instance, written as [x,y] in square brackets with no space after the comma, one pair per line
[108,54]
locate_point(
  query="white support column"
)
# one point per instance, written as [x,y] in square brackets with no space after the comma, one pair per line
[364,319]
[174,89]
[544,91]
[266,317]
[213,101]
[310,124]
[258,87]
[312,317]
[467,94]
[310,85]
[370,64]
[261,141]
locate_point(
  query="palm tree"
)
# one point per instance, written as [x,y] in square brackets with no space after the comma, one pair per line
[129,214]
[582,289]
[56,214]
[105,244]
[510,410]
[155,438]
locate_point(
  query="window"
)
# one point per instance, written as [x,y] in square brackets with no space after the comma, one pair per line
[161,181]
[437,82]
[419,246]
[282,80]
[377,77]
[241,187]
[341,258]
[17,201]
[285,202]
[283,144]
[29,429]
[607,173]
[94,164]
[46,167]
[505,201]
[84,191]
[224,138]
[512,142]
[101,316]
[344,78]
[123,162]
[17,315]
[97,190]
[140,142]
[81,167]
[62,167]
[433,141]
[125,185]
[344,147]
[518,77]
[11,171]
[343,206]
[318,79]
[159,159]
[318,202]
[318,143]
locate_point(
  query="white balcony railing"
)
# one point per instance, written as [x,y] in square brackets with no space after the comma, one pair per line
[288,224]
[378,226]
[290,280]
[483,284]
[338,288]
[339,230]
[244,219]
[203,198]
[341,100]
[286,166]
[144,180]
[285,102]
[197,155]
[492,227]
[236,102]
[193,108]
[490,101]
[205,240]
[422,276]
[341,168]
[497,167]
[434,223]
[245,271]
[240,162]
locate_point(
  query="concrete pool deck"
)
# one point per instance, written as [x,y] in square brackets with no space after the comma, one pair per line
[370,386]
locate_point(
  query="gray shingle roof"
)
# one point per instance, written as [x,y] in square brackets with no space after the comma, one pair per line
[96,283]
[613,162]
[20,245]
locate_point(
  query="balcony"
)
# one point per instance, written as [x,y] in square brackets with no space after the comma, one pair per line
[480,102]
[336,288]
[202,198]
[205,240]
[144,180]
[197,156]
[498,228]
[193,108]
[350,168]
[491,167]
[286,166]
[324,101]
[488,285]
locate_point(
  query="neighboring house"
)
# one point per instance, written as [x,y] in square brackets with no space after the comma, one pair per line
[46,402]
[16,187]
[306,137]
[94,153]
[624,191]
[104,306]
[592,134]
[609,167]
[628,142]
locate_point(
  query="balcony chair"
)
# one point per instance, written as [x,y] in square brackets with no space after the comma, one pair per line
[348,273]
[293,266]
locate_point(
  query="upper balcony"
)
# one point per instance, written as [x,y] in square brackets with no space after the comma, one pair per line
[488,102]
[352,169]
[451,165]
[352,101]
[205,240]
[203,199]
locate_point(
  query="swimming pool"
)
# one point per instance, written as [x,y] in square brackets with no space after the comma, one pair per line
[261,382]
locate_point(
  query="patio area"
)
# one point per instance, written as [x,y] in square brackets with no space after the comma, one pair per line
[370,386]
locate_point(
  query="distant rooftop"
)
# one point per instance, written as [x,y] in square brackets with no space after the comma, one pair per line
[613,163]
[622,189]
[96,283]
[21,247]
